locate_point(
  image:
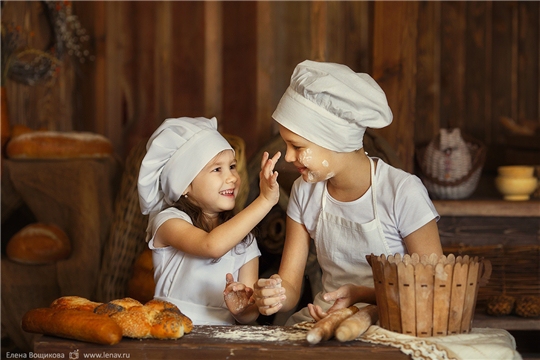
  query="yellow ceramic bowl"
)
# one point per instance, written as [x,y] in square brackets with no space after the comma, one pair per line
[516,188]
[517,171]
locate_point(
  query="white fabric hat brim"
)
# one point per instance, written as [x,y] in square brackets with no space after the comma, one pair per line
[316,124]
[188,161]
[332,106]
[177,151]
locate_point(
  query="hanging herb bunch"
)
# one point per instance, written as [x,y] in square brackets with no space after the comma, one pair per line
[33,66]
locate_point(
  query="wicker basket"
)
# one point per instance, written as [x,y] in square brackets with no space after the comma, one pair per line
[516,269]
[454,189]
[428,296]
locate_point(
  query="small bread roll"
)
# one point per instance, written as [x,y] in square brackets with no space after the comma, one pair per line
[39,244]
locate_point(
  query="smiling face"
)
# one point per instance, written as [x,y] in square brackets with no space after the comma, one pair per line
[314,162]
[215,188]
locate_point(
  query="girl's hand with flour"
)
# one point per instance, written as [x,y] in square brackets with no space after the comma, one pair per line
[237,296]
[269,186]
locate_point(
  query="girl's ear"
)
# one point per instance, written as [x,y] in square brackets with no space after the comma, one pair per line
[188,189]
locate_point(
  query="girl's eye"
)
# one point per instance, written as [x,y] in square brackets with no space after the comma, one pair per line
[233,166]
[296,147]
[217,169]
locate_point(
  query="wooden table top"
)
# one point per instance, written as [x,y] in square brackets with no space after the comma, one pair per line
[220,342]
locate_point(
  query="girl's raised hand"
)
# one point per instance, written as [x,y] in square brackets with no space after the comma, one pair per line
[237,296]
[269,295]
[268,178]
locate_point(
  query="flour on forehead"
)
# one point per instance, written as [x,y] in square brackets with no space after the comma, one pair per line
[325,163]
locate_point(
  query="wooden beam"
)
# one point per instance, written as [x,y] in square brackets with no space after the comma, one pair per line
[266,72]
[240,72]
[394,68]
[319,43]
[213,74]
[428,76]
[453,24]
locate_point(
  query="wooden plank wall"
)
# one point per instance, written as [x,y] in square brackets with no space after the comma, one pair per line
[442,64]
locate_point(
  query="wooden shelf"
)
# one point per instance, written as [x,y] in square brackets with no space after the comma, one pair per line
[509,322]
[530,208]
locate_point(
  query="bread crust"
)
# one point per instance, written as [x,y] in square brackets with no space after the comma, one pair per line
[158,319]
[73,324]
[74,303]
[162,305]
[58,145]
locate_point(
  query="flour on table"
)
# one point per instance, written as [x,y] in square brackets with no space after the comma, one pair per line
[260,333]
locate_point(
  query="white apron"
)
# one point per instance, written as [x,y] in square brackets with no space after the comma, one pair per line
[197,289]
[342,246]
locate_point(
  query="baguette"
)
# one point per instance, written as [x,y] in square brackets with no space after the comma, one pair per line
[73,324]
[324,328]
[357,324]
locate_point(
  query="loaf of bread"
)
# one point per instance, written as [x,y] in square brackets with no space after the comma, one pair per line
[141,285]
[73,324]
[74,303]
[39,244]
[357,324]
[157,319]
[324,329]
[165,306]
[114,306]
[142,322]
[58,145]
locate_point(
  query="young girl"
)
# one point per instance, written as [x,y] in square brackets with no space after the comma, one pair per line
[202,255]
[352,205]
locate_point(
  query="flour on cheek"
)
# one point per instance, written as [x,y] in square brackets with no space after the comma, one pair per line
[305,157]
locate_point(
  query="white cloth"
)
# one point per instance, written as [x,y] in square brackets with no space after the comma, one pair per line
[193,283]
[331,105]
[176,152]
[479,344]
[344,261]
[403,202]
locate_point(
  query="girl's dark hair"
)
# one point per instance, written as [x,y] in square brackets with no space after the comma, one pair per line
[203,222]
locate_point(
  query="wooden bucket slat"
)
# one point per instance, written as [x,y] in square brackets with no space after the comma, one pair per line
[459,285]
[470,293]
[407,298]
[441,299]
[392,296]
[424,300]
[380,291]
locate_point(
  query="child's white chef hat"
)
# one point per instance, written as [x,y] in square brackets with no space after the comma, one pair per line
[331,105]
[175,153]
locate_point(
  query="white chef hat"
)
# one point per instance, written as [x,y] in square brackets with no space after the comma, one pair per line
[175,153]
[331,105]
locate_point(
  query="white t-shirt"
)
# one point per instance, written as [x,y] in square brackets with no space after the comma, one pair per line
[199,282]
[403,205]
